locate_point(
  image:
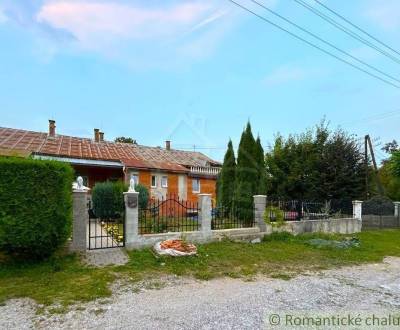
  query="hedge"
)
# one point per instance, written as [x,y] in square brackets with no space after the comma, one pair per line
[108,199]
[35,206]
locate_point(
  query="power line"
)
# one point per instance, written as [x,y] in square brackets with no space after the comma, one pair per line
[346,30]
[355,26]
[323,40]
[313,45]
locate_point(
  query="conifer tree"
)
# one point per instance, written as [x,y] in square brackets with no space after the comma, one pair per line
[246,175]
[260,162]
[226,178]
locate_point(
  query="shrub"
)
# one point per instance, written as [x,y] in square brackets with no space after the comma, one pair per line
[108,198]
[35,206]
[378,205]
[143,195]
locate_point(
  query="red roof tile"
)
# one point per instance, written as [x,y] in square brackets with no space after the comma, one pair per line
[132,155]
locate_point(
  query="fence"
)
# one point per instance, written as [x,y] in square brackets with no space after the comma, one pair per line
[296,210]
[202,222]
[168,215]
[380,218]
[232,217]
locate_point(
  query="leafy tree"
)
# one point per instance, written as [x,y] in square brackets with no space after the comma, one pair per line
[395,164]
[226,178]
[247,180]
[316,165]
[390,182]
[123,139]
[391,147]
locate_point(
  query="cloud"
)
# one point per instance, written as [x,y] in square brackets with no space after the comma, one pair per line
[285,74]
[90,21]
[385,14]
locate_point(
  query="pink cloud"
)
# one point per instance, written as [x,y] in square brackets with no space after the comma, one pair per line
[89,21]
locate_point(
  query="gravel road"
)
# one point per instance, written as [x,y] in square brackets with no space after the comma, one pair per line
[226,303]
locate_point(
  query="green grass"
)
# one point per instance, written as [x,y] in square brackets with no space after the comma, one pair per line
[64,280]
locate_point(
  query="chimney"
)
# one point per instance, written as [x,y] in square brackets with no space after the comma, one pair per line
[96,135]
[168,145]
[101,136]
[52,128]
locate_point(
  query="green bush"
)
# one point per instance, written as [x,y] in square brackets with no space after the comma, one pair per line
[108,198]
[143,195]
[35,206]
[378,205]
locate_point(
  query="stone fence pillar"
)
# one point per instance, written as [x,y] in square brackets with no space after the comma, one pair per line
[205,214]
[357,210]
[260,203]
[396,209]
[80,222]
[131,234]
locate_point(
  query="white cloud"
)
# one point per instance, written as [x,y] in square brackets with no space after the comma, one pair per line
[90,21]
[386,13]
[285,74]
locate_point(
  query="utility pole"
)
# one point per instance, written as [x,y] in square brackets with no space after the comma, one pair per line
[378,180]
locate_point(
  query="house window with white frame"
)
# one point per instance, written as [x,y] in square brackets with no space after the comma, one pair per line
[164,181]
[153,181]
[196,186]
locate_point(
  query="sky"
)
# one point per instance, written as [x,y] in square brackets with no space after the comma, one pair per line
[193,72]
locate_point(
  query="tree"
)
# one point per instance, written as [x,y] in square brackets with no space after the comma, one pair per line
[316,165]
[395,163]
[260,162]
[226,178]
[391,147]
[123,139]
[247,180]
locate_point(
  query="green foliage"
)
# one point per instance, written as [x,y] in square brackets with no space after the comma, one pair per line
[390,182]
[123,139]
[108,198]
[226,178]
[395,163]
[316,165]
[378,205]
[143,195]
[262,172]
[35,206]
[274,215]
[247,175]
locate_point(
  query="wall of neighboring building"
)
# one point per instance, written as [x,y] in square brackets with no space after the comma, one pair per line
[207,186]
[179,185]
[94,174]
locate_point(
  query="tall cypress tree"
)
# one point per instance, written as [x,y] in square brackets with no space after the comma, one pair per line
[226,178]
[262,172]
[246,175]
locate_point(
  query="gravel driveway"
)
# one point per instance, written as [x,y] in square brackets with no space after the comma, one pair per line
[226,303]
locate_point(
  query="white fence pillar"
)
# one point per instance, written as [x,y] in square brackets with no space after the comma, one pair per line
[80,222]
[131,234]
[205,214]
[357,210]
[260,203]
[396,209]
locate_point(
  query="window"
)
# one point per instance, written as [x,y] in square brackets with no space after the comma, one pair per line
[164,181]
[196,185]
[153,181]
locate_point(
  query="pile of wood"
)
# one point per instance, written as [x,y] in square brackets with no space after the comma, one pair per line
[178,245]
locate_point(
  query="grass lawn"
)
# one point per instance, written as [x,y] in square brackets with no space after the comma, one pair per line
[64,280]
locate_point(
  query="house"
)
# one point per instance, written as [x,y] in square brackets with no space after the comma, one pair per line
[164,171]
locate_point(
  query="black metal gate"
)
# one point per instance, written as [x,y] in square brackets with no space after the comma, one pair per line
[106,233]
[168,215]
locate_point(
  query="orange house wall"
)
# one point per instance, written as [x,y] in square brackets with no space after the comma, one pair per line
[207,186]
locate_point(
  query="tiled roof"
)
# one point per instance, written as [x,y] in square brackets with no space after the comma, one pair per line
[74,147]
